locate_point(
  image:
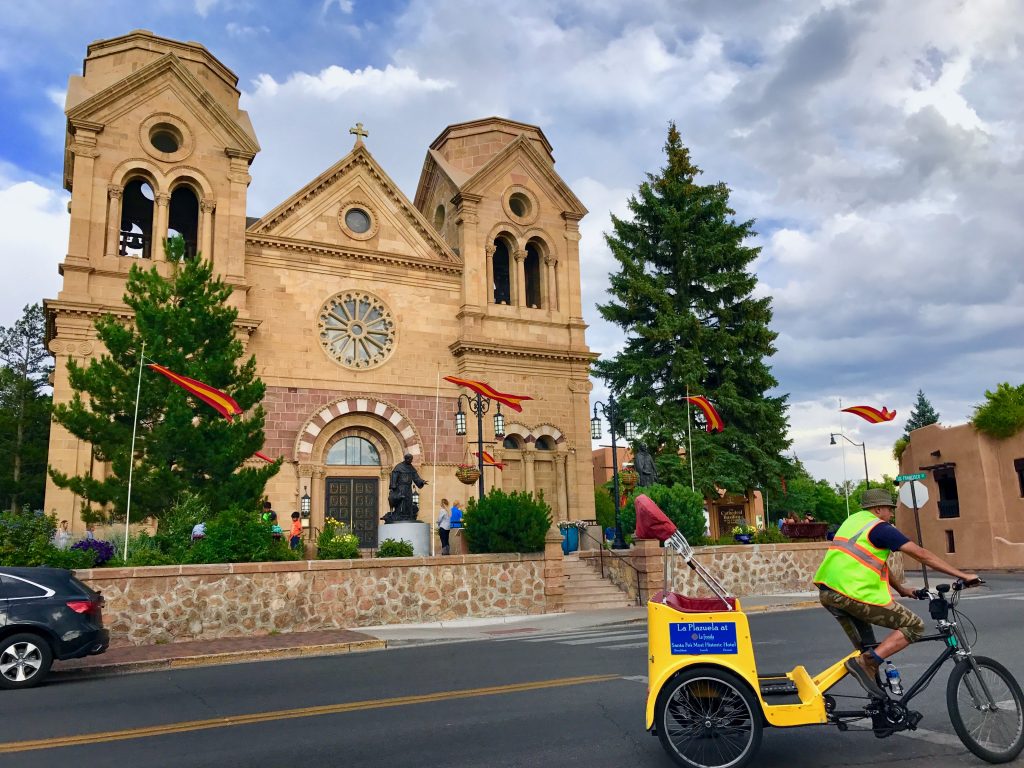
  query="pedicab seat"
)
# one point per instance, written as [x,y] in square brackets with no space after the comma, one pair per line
[686,604]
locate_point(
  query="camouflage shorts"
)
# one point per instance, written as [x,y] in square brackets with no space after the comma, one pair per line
[856,618]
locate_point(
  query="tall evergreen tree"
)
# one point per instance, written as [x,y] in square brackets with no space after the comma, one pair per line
[921,415]
[24,410]
[182,443]
[684,296]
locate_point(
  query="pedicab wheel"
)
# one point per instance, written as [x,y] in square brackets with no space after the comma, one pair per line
[708,718]
[994,736]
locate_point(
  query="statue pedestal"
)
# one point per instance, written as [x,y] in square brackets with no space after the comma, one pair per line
[416,533]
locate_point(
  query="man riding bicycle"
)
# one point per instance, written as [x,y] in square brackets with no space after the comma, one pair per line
[854,581]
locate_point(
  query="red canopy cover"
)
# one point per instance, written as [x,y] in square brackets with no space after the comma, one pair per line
[651,522]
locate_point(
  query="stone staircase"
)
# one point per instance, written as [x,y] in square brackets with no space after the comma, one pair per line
[585,590]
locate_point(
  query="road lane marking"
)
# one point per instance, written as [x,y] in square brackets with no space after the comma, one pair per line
[291,714]
[624,646]
[607,638]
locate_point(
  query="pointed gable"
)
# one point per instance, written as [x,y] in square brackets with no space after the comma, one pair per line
[315,214]
[167,73]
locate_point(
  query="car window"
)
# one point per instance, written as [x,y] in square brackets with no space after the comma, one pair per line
[11,587]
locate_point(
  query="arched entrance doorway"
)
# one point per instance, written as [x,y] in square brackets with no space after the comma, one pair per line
[352,486]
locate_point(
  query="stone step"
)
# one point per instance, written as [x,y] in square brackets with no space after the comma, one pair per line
[595,605]
[598,591]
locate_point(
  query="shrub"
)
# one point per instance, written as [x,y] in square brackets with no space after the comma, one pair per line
[335,542]
[143,550]
[393,548]
[102,550]
[173,537]
[770,535]
[26,540]
[899,447]
[604,508]
[681,505]
[1002,414]
[238,535]
[507,522]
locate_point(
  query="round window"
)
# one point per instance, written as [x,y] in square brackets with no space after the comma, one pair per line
[165,138]
[357,330]
[519,204]
[357,220]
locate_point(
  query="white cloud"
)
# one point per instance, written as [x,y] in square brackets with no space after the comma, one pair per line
[33,238]
[345,6]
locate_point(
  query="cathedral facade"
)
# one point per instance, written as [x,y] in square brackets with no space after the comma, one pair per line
[355,300]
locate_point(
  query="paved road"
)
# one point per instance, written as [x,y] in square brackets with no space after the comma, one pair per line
[519,699]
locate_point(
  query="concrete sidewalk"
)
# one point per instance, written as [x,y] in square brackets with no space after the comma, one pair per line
[194,653]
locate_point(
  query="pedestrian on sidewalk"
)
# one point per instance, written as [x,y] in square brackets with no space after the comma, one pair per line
[456,514]
[296,535]
[444,525]
[62,536]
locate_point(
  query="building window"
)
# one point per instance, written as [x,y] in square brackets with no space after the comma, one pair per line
[950,543]
[353,452]
[545,443]
[357,330]
[165,138]
[136,238]
[949,500]
[439,218]
[357,220]
[511,442]
[532,271]
[519,204]
[502,273]
[1018,467]
[183,219]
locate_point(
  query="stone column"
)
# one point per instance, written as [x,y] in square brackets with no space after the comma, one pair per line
[83,203]
[156,247]
[528,459]
[551,286]
[206,209]
[520,279]
[554,572]
[571,480]
[489,250]
[648,556]
[114,192]
[561,500]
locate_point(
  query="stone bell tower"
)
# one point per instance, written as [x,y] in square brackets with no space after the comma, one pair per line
[156,146]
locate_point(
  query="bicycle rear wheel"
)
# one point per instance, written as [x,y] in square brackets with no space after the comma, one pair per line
[708,718]
[994,736]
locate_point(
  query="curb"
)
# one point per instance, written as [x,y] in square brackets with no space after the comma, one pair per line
[215,659]
[783,607]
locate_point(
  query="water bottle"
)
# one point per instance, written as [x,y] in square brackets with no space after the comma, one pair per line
[892,677]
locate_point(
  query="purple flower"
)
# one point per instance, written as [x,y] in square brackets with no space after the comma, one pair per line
[103,550]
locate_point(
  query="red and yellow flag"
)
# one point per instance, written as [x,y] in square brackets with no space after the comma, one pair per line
[482,388]
[714,421]
[490,461]
[221,402]
[870,414]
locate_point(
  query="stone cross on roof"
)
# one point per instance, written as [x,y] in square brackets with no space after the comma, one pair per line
[359,132]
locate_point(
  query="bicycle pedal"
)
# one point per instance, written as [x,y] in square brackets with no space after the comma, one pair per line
[913,718]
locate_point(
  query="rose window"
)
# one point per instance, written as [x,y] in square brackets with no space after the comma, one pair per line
[357,330]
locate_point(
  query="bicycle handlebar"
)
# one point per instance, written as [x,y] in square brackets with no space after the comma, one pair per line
[959,584]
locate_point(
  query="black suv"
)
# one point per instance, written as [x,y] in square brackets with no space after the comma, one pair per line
[45,614]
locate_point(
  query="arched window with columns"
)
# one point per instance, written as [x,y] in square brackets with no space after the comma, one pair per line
[532,273]
[502,272]
[183,218]
[135,231]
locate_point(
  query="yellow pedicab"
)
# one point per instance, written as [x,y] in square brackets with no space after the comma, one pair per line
[708,703]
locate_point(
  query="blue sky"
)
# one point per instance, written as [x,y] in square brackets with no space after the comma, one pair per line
[878,144]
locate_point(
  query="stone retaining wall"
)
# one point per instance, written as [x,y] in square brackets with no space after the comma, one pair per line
[162,604]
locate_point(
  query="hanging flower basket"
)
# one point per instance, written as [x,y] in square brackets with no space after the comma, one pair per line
[628,478]
[467,473]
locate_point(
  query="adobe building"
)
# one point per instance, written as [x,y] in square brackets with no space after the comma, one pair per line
[354,299]
[974,516]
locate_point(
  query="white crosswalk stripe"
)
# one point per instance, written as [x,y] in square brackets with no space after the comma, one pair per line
[617,638]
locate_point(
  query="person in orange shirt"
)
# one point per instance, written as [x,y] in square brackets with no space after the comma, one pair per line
[296,534]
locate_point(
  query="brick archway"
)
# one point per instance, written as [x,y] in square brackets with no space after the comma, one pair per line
[404,430]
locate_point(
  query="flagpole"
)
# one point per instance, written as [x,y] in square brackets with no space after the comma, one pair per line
[689,437]
[433,482]
[131,455]
[846,483]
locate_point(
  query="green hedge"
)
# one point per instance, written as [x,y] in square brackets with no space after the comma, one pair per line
[506,522]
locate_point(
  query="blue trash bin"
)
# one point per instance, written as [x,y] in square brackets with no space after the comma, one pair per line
[570,540]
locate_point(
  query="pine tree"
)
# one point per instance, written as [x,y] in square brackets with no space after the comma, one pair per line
[684,296]
[182,443]
[921,415]
[24,410]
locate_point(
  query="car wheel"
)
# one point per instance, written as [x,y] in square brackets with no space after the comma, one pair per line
[24,661]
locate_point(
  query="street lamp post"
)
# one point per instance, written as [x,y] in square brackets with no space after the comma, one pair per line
[832,441]
[479,405]
[611,412]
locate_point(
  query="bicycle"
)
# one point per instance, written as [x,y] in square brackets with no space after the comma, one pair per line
[709,706]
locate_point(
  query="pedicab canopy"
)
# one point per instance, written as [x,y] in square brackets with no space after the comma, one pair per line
[651,522]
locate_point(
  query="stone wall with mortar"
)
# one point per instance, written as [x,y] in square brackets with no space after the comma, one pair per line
[161,604]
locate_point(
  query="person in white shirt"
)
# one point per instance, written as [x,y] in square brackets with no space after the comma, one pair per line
[444,525]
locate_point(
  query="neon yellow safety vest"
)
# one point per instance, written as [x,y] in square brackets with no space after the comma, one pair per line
[855,567]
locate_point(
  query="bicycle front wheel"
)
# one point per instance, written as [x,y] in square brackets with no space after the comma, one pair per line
[996,735]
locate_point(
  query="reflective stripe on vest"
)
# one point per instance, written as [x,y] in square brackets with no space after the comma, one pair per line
[855,567]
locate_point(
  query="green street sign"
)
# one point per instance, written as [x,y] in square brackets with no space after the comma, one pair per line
[915,476]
